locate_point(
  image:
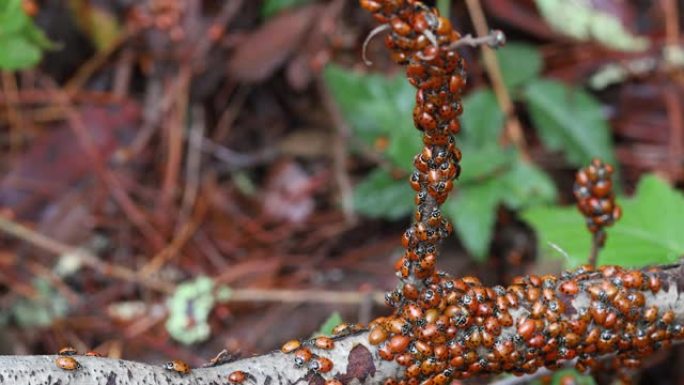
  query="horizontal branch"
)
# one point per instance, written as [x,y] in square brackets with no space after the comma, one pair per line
[352,357]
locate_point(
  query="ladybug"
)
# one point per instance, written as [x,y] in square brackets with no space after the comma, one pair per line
[67,363]
[177,366]
[302,355]
[67,351]
[323,342]
[333,381]
[321,365]
[290,346]
[237,377]
[93,354]
[377,335]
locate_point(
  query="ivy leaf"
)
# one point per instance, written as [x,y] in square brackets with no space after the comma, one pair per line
[330,323]
[271,7]
[561,233]
[483,119]
[21,42]
[377,107]
[648,233]
[16,52]
[569,119]
[482,163]
[473,213]
[381,196]
[520,63]
[473,208]
[12,18]
[526,185]
[650,230]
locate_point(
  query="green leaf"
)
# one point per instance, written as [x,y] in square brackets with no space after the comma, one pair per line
[526,185]
[21,42]
[482,163]
[581,21]
[473,213]
[571,120]
[381,196]
[483,120]
[514,183]
[648,233]
[326,329]
[271,7]
[519,63]
[16,52]
[12,18]
[650,230]
[377,107]
[560,228]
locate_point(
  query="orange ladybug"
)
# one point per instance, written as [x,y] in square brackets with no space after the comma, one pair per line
[177,366]
[67,351]
[237,377]
[67,363]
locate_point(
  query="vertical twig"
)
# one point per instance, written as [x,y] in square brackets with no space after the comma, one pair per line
[513,129]
[9,85]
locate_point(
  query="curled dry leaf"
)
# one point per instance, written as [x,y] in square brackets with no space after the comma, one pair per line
[267,48]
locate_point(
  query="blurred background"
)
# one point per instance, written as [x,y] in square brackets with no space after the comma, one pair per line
[185,176]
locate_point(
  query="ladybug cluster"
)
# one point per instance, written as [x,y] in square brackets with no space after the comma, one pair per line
[66,361]
[593,190]
[420,38]
[445,328]
[303,357]
[457,328]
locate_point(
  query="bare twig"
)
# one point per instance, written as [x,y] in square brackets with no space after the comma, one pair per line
[513,129]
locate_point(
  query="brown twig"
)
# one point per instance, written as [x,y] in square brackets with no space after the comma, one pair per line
[340,153]
[513,129]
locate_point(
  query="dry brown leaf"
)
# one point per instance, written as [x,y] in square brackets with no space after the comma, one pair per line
[266,49]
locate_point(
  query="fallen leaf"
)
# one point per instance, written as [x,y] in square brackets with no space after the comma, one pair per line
[263,51]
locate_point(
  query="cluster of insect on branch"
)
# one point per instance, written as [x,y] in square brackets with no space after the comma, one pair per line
[444,328]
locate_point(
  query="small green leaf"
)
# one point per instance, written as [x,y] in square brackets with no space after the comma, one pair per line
[526,186]
[582,21]
[12,18]
[16,52]
[483,120]
[326,329]
[482,163]
[377,107]
[648,233]
[271,7]
[381,196]
[473,213]
[519,63]
[561,233]
[571,120]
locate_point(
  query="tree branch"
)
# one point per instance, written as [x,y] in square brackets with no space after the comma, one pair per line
[352,356]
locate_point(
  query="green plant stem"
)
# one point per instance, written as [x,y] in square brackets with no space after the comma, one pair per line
[444,7]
